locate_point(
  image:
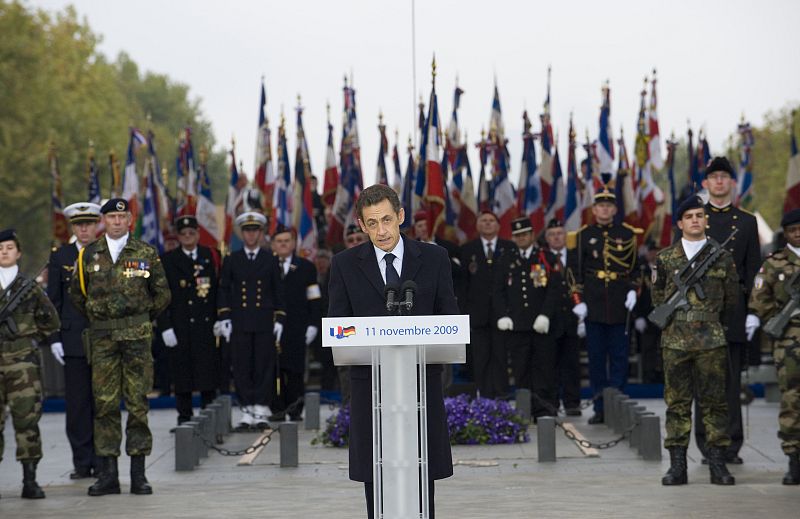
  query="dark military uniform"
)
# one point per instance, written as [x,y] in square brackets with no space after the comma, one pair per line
[565,334]
[694,347]
[606,256]
[250,296]
[524,288]
[769,296]
[746,252]
[191,314]
[120,300]
[489,357]
[77,371]
[303,309]
[20,366]
[650,339]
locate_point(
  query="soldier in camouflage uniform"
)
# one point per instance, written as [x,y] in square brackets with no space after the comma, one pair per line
[769,296]
[694,346]
[121,287]
[32,318]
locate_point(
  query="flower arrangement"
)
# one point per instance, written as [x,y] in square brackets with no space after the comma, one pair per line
[479,421]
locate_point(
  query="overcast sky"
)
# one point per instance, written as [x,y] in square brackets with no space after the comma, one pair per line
[716,60]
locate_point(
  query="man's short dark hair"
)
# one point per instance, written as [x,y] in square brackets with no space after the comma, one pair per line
[375,194]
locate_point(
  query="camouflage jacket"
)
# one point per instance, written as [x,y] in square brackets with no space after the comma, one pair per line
[699,328]
[134,285]
[34,318]
[769,294]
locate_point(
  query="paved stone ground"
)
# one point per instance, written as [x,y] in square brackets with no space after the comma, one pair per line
[514,485]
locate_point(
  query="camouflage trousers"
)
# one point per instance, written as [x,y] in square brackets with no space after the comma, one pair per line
[787,363]
[21,390]
[701,373]
[121,369]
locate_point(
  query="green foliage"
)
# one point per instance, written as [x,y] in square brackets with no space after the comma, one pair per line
[57,87]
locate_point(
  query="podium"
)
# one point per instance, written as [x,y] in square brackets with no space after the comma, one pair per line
[398,348]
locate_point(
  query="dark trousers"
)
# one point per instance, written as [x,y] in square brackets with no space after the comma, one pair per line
[607,346]
[489,361]
[292,390]
[369,489]
[183,404]
[650,350]
[733,390]
[545,376]
[80,411]
[253,362]
[568,369]
[224,359]
[520,348]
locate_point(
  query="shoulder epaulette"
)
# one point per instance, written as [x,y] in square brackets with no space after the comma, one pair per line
[572,239]
[636,230]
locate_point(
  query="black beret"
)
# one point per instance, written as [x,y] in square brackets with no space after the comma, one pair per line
[692,202]
[115,205]
[353,229]
[554,222]
[719,164]
[521,225]
[790,218]
[8,234]
[186,221]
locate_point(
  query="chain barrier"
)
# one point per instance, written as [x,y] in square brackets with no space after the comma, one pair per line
[289,409]
[226,452]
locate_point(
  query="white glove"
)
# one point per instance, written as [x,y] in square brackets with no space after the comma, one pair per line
[541,324]
[57,349]
[581,329]
[580,310]
[311,334]
[751,324]
[218,329]
[630,300]
[277,329]
[640,324]
[170,339]
[226,329]
[505,324]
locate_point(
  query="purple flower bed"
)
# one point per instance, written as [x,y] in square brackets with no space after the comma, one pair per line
[479,421]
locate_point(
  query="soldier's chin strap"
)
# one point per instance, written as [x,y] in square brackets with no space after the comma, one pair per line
[80,271]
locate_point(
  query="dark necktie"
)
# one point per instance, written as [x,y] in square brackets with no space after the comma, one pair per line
[392,277]
[251,256]
[281,263]
[489,253]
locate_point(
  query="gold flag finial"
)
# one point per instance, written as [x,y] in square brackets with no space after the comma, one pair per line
[433,69]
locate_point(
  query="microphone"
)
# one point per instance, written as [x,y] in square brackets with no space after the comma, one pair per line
[409,288]
[390,294]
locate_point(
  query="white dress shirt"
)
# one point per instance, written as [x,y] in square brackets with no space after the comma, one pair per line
[285,263]
[562,255]
[254,252]
[116,246]
[398,251]
[486,243]
[7,275]
[191,253]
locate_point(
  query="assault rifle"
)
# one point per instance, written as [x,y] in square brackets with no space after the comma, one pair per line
[11,304]
[686,278]
[778,322]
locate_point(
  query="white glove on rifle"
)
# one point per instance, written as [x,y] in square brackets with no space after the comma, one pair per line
[170,339]
[640,324]
[505,324]
[541,324]
[226,329]
[311,334]
[580,310]
[277,329]
[57,349]
[630,300]
[751,324]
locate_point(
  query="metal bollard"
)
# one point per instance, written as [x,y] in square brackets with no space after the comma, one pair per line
[523,397]
[211,426]
[312,411]
[651,438]
[546,438]
[635,413]
[218,422]
[608,407]
[627,418]
[639,435]
[202,425]
[184,447]
[194,424]
[618,403]
[288,432]
[227,404]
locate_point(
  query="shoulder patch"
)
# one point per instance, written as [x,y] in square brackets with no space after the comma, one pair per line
[758,282]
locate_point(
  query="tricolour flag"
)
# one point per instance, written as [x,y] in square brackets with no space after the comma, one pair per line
[264,173]
[464,193]
[282,196]
[303,204]
[397,179]
[545,171]
[187,176]
[529,194]
[429,184]
[744,196]
[663,236]
[572,203]
[557,201]
[59,221]
[625,186]
[154,205]
[482,196]
[381,176]
[331,172]
[94,178]
[502,197]
[792,200]
[130,179]
[234,202]
[206,210]
[605,140]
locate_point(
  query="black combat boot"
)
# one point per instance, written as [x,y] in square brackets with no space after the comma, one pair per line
[716,466]
[107,478]
[30,488]
[676,475]
[139,483]
[793,476]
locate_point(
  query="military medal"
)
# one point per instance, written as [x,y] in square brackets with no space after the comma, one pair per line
[203,286]
[182,283]
[96,267]
[781,277]
[473,265]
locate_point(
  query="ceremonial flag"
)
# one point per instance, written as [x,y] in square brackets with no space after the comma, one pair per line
[605,141]
[464,193]
[588,178]
[501,192]
[625,187]
[648,162]
[557,200]
[454,161]
[545,172]
[116,178]
[187,176]
[206,210]
[94,178]
[282,197]
[59,221]
[572,204]
[397,181]
[665,212]
[653,133]
[151,219]
[430,178]
[381,177]
[130,179]
[234,202]
[453,138]
[331,171]
[303,215]
[407,197]
[352,182]
[264,173]
[482,196]
[529,194]
[792,200]
[744,196]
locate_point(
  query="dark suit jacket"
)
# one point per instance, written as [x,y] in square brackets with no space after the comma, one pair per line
[478,280]
[356,289]
[59,276]
[249,292]
[302,300]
